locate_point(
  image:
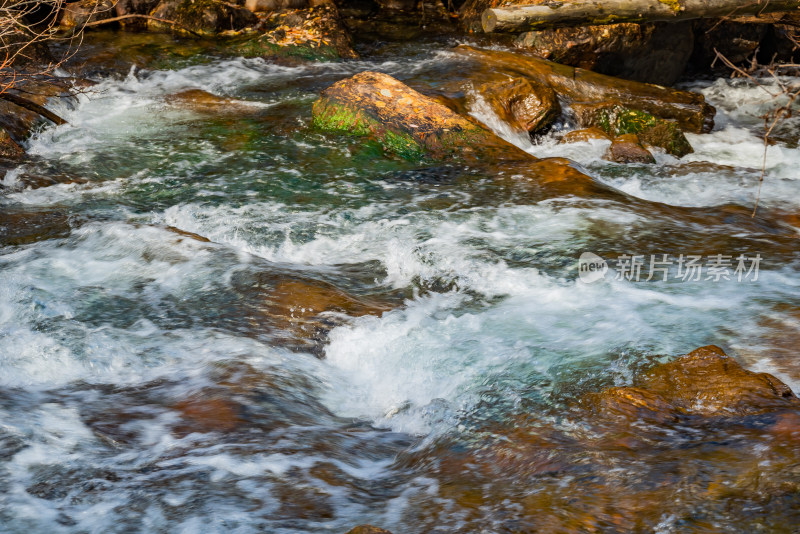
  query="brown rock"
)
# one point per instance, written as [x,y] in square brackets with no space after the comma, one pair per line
[19,122]
[633,403]
[264,6]
[367,529]
[575,85]
[404,122]
[652,131]
[203,413]
[297,301]
[526,105]
[584,135]
[25,227]
[627,149]
[8,147]
[708,382]
[201,16]
[652,53]
[315,33]
[76,14]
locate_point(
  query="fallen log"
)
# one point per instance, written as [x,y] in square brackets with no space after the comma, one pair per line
[583,13]
[32,106]
[404,122]
[576,85]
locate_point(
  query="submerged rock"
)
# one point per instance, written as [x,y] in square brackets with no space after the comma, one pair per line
[584,135]
[306,310]
[628,149]
[367,529]
[652,131]
[404,122]
[705,382]
[208,413]
[18,227]
[652,53]
[201,16]
[526,105]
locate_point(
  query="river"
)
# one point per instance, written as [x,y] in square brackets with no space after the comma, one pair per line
[152,379]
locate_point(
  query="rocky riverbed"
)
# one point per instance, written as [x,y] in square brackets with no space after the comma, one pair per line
[264,280]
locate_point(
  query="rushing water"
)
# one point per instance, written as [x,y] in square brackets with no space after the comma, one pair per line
[150,380]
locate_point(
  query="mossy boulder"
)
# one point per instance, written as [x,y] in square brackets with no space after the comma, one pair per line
[201,16]
[312,34]
[526,105]
[405,122]
[620,120]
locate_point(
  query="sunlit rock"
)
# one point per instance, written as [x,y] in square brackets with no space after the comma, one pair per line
[405,122]
[315,33]
[704,382]
[526,105]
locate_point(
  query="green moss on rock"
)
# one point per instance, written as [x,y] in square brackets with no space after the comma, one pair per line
[329,116]
[652,131]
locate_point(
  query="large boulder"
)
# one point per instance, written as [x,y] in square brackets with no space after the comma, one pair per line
[709,382]
[526,105]
[576,85]
[315,33]
[652,53]
[201,16]
[405,122]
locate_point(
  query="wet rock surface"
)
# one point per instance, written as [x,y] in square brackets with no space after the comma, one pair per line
[628,148]
[585,135]
[619,120]
[575,85]
[528,106]
[403,121]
